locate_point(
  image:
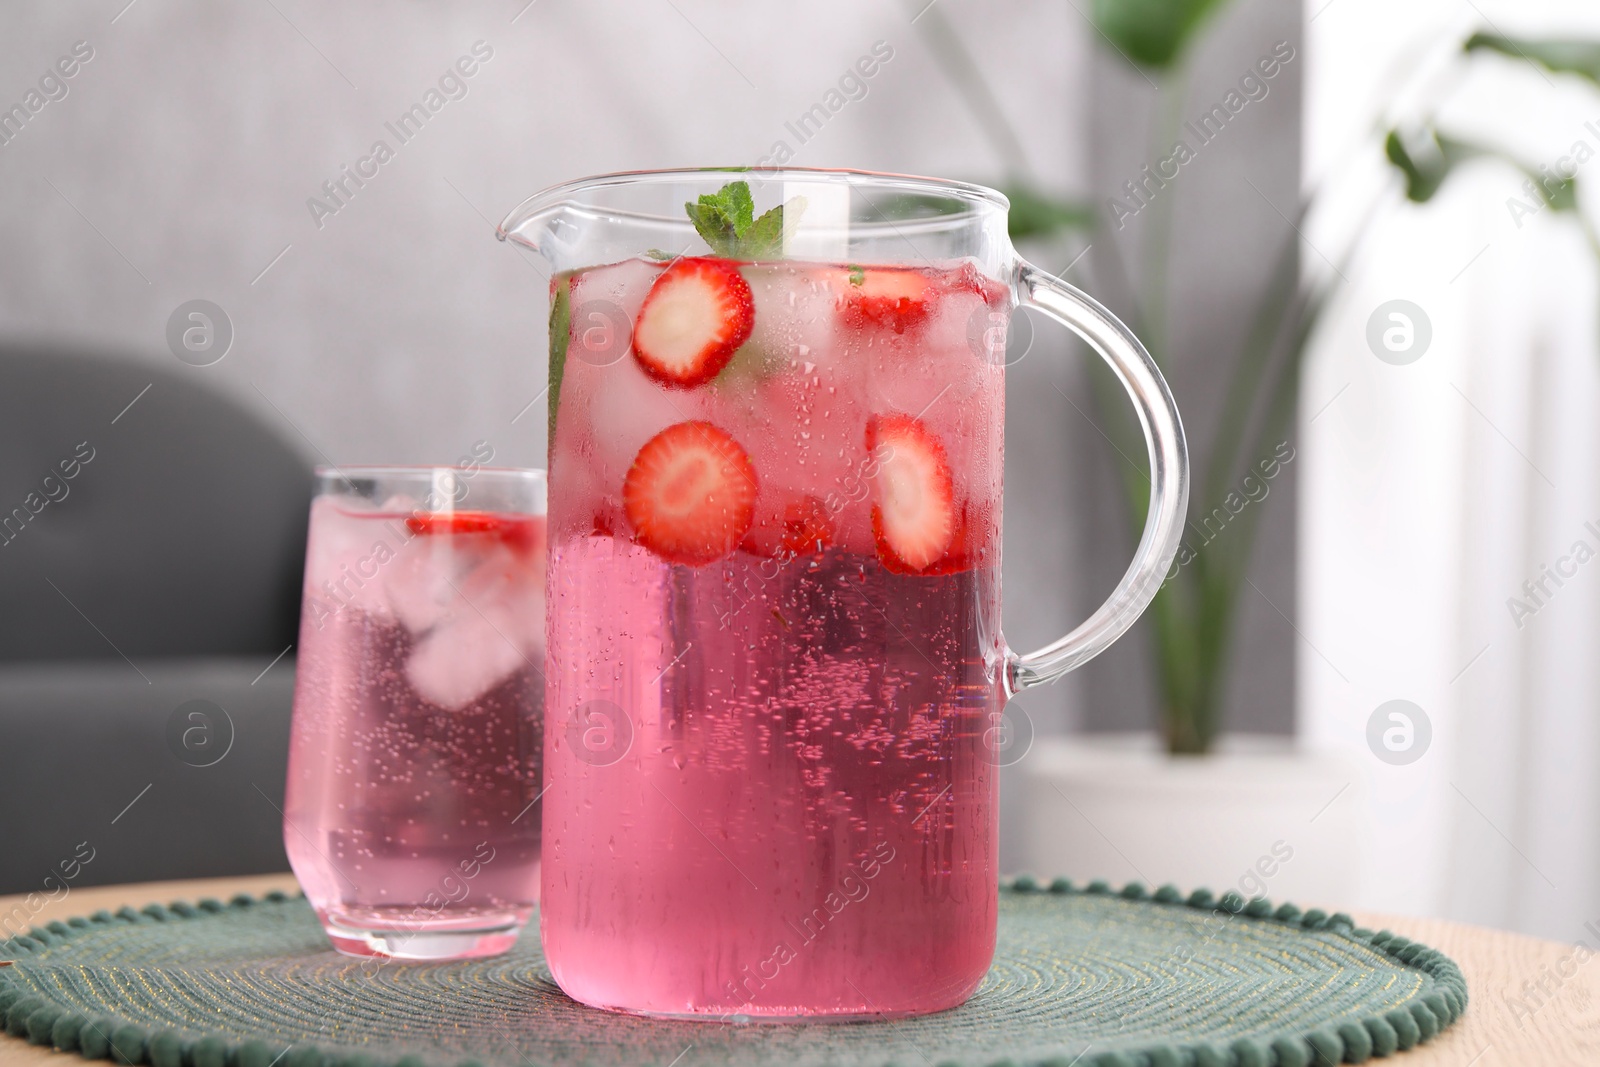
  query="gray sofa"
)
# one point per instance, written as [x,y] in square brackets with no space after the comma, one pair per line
[152,535]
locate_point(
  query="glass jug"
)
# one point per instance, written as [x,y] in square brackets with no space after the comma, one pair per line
[774,659]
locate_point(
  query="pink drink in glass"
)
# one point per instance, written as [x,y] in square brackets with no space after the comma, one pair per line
[772,787]
[416,747]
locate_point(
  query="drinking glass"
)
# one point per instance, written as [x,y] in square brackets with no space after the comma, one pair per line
[415,752]
[775,664]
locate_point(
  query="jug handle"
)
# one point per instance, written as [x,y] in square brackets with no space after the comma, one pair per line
[1169,478]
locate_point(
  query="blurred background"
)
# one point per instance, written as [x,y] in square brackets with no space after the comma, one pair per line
[1368,272]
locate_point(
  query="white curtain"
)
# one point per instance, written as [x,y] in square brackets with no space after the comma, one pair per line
[1434,490]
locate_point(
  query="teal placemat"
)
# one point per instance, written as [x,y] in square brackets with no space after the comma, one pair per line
[1089,976]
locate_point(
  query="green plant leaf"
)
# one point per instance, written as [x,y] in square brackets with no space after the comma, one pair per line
[1152,33]
[1562,195]
[1039,214]
[1560,57]
[726,220]
[1429,158]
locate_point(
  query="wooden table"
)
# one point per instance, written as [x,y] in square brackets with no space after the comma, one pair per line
[1503,1024]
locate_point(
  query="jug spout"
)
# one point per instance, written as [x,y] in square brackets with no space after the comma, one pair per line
[543,223]
[600,220]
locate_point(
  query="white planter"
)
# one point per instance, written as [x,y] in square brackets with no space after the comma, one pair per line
[1257,816]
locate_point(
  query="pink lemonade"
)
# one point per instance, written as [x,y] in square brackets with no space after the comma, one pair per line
[415,754]
[775,658]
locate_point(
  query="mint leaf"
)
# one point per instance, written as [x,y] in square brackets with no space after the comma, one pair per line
[764,239]
[726,221]
[857,275]
[721,217]
[560,336]
[714,224]
[741,207]
[656,253]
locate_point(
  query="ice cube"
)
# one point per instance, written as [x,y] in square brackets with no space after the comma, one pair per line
[493,625]
[795,317]
[460,660]
[399,504]
[808,446]
[343,558]
[622,284]
[579,503]
[624,409]
[604,302]
[417,581]
[509,589]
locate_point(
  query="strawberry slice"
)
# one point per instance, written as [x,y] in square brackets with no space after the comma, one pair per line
[698,312]
[455,522]
[519,532]
[690,494]
[886,297]
[913,506]
[803,527]
[972,545]
[968,278]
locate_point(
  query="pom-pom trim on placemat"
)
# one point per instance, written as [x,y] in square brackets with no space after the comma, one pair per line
[28,1016]
[1355,1041]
